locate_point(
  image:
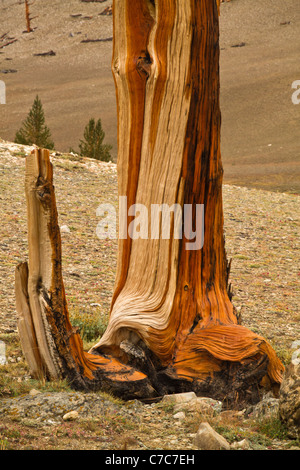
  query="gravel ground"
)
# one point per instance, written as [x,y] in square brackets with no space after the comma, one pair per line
[262,239]
[71,420]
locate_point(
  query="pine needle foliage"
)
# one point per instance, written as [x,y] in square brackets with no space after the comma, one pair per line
[92,144]
[34,130]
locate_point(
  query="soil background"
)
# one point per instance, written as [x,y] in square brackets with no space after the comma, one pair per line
[260,43]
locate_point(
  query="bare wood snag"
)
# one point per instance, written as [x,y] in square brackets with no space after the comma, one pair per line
[28,17]
[172,323]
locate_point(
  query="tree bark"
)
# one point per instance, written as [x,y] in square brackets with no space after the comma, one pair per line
[27,15]
[172,325]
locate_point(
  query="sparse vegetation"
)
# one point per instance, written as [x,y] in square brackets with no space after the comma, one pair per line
[91,326]
[273,428]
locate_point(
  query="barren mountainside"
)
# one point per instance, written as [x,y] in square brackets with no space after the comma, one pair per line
[66,59]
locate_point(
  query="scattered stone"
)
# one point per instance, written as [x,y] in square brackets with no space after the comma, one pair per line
[241,445]
[33,392]
[179,398]
[3,359]
[71,416]
[180,415]
[208,439]
[289,399]
[43,406]
[296,357]
[203,405]
[65,229]
[296,344]
[267,408]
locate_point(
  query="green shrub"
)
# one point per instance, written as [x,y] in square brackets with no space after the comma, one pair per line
[273,428]
[91,325]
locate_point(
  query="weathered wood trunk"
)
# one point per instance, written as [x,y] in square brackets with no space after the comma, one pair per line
[172,321]
[52,347]
[27,15]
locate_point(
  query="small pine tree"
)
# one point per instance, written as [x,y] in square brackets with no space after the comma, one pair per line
[34,130]
[92,146]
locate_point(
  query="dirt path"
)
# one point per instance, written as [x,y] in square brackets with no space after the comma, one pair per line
[260,133]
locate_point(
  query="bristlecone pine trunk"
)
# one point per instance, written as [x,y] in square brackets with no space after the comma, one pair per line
[172,325]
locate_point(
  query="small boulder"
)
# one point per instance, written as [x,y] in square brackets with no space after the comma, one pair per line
[180,415]
[241,445]
[267,408]
[71,416]
[289,399]
[65,229]
[177,398]
[208,439]
[203,405]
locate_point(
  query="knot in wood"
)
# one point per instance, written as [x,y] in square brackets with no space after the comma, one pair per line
[43,190]
[144,65]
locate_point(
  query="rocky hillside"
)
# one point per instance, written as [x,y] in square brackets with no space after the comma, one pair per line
[262,239]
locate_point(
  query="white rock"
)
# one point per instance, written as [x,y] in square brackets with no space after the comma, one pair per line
[296,344]
[71,416]
[65,229]
[3,359]
[296,357]
[180,415]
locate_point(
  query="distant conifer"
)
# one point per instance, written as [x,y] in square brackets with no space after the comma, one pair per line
[92,146]
[34,130]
